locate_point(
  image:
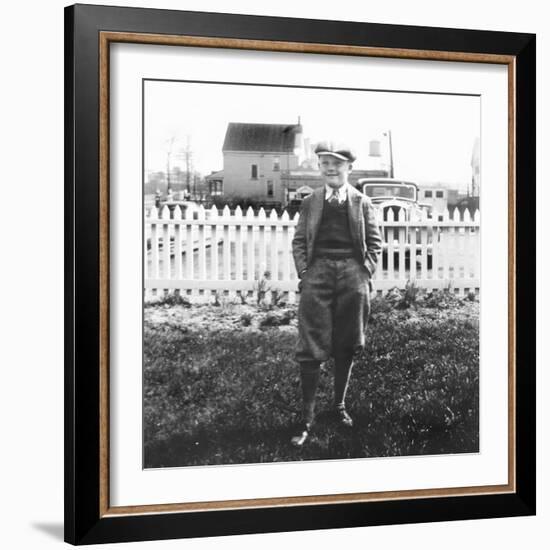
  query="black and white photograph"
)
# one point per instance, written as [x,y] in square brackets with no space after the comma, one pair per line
[311,273]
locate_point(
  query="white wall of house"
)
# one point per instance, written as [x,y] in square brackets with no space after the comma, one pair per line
[238,174]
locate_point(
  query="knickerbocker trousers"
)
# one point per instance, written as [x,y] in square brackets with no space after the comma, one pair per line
[334,309]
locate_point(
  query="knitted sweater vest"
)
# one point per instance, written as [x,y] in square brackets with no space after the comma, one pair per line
[334,233]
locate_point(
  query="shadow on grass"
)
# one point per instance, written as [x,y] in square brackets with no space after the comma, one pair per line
[368,438]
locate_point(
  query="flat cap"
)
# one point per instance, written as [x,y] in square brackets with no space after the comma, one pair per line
[335,149]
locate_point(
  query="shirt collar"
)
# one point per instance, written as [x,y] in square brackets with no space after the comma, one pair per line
[341,191]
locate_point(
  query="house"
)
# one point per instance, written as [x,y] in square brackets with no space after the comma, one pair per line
[271,163]
[254,157]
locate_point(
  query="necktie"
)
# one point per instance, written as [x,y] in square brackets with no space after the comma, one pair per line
[333,199]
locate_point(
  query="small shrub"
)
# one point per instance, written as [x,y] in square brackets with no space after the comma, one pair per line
[394,296]
[380,304]
[262,287]
[174,299]
[409,296]
[277,299]
[276,319]
[246,319]
[225,303]
[441,299]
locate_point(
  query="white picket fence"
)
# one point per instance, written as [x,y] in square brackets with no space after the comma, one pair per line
[202,252]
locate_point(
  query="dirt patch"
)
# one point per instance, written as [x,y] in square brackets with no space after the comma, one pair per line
[208,317]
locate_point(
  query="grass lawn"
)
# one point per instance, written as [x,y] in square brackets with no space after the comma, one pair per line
[221,385]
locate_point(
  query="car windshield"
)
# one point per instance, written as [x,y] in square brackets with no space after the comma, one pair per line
[402,190]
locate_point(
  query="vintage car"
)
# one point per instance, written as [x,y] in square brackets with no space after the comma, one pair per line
[400,198]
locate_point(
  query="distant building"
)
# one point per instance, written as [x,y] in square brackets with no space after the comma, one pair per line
[441,198]
[436,196]
[254,157]
[476,168]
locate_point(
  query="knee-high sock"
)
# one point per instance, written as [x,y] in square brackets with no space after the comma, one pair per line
[309,373]
[342,372]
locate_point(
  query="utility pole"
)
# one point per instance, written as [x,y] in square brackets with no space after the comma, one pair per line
[168,154]
[188,155]
[388,134]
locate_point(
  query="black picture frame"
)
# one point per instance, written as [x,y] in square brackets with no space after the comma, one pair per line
[87,520]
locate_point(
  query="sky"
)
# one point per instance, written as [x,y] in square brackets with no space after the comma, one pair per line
[432,134]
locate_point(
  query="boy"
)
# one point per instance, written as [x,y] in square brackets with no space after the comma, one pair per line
[335,247]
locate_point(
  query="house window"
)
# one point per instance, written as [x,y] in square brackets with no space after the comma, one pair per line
[439,194]
[427,194]
[269,188]
[254,172]
[276,164]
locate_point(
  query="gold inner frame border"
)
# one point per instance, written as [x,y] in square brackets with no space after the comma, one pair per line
[105,39]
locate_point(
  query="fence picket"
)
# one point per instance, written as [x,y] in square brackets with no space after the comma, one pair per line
[467,253]
[436,251]
[201,230]
[262,263]
[424,251]
[214,256]
[477,247]
[402,252]
[226,254]
[285,246]
[250,253]
[178,274]
[250,245]
[391,246]
[189,245]
[274,247]
[166,244]
[238,253]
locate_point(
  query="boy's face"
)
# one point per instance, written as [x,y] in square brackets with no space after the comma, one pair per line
[335,171]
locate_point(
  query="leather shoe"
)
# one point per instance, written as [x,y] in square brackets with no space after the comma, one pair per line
[344,418]
[301,435]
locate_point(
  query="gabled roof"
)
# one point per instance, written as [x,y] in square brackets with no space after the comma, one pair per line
[275,138]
